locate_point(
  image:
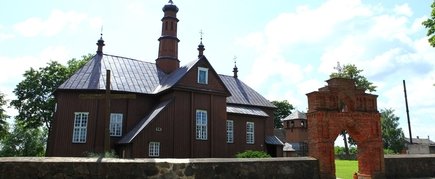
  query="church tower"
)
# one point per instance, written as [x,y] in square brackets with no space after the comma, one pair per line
[168,48]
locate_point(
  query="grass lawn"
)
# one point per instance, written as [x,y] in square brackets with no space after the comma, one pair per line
[345,168]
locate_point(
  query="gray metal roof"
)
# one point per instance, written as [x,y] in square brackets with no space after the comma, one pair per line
[295,115]
[273,140]
[127,75]
[280,133]
[143,123]
[246,110]
[420,141]
[130,75]
[243,94]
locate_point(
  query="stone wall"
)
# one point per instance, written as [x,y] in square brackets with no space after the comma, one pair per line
[409,166]
[62,167]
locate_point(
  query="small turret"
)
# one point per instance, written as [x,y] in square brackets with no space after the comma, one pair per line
[100,45]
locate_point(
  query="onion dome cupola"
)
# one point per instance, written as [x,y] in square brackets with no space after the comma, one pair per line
[167,59]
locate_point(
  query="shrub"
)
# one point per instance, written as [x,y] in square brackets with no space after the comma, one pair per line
[110,154]
[389,151]
[253,154]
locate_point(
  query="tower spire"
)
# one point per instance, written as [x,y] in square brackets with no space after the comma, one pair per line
[167,59]
[201,46]
[235,69]
[100,43]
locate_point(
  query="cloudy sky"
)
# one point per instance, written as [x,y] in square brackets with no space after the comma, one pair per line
[284,49]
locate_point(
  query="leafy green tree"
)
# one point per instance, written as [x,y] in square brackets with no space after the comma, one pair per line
[23,142]
[283,110]
[350,71]
[35,102]
[429,24]
[392,134]
[3,117]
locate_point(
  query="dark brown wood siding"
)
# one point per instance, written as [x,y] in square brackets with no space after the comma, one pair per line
[190,80]
[240,144]
[69,103]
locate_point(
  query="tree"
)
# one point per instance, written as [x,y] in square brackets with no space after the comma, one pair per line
[3,117]
[350,71]
[283,110]
[392,134]
[23,142]
[35,102]
[429,24]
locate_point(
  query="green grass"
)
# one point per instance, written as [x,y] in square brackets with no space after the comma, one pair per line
[345,168]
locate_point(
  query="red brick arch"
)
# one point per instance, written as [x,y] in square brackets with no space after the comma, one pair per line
[341,106]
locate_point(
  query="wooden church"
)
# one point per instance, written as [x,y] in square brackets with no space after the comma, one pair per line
[141,109]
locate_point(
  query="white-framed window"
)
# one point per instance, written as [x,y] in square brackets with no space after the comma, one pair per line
[116,124]
[201,125]
[250,135]
[154,149]
[202,75]
[80,126]
[230,131]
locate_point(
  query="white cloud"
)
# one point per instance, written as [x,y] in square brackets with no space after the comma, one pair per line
[403,9]
[305,25]
[4,35]
[386,42]
[15,67]
[54,24]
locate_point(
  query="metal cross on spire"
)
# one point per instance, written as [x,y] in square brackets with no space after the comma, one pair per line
[201,33]
[235,60]
[101,32]
[338,67]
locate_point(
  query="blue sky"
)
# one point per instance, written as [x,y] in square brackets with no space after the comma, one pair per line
[284,49]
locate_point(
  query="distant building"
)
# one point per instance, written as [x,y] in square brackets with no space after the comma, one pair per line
[294,132]
[159,109]
[419,146]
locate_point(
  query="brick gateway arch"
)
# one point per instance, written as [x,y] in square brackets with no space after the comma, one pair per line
[341,106]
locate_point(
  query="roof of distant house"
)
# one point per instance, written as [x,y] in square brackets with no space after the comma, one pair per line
[295,115]
[420,141]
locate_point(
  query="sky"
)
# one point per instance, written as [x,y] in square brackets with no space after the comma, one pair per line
[283,49]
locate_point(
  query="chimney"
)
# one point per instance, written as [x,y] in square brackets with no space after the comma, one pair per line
[167,59]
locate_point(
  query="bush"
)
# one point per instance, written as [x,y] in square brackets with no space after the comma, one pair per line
[389,151]
[110,154]
[341,154]
[253,154]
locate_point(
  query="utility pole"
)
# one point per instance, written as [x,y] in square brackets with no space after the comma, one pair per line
[407,112]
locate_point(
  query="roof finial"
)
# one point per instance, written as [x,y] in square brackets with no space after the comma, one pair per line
[200,34]
[201,46]
[170,2]
[235,69]
[101,33]
[338,67]
[100,43]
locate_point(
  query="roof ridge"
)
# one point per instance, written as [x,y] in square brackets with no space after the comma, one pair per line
[226,75]
[117,56]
